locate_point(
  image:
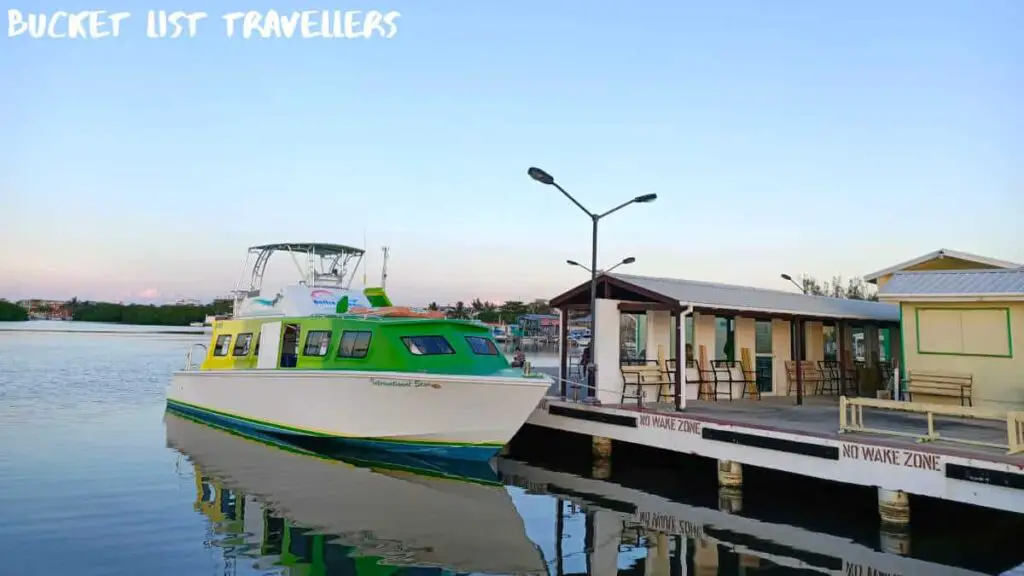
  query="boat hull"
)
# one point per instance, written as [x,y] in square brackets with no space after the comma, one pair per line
[463,417]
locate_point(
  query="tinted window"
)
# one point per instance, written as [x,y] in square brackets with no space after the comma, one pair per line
[242,344]
[317,343]
[354,344]
[427,345]
[223,345]
[482,346]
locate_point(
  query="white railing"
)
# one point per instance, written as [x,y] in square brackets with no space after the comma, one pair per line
[851,419]
[188,357]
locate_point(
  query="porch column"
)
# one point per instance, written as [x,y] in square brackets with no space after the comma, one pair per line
[604,534]
[896,351]
[680,375]
[606,351]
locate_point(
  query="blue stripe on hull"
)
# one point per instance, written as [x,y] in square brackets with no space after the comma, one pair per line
[272,434]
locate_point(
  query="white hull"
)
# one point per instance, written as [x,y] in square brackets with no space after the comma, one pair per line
[414,519]
[392,407]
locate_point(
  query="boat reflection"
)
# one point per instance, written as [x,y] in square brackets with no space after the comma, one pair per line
[284,505]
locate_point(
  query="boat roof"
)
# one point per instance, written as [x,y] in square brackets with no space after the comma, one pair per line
[323,248]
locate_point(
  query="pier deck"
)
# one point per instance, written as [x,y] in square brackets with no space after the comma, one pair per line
[819,417]
[777,434]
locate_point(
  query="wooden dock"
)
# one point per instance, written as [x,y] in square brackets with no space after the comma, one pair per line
[776,434]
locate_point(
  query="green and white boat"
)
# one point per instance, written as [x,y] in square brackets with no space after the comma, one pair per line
[320,359]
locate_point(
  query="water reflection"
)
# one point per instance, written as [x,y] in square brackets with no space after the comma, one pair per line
[283,505]
[273,504]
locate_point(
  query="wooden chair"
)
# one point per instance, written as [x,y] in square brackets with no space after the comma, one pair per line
[722,374]
[748,375]
[705,387]
[831,379]
[933,383]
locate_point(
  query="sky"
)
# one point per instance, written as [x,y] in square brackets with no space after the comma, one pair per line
[796,136]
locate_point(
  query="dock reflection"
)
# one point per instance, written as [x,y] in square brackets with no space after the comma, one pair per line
[602,527]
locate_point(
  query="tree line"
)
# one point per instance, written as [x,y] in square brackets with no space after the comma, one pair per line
[853,289]
[485,311]
[11,312]
[114,313]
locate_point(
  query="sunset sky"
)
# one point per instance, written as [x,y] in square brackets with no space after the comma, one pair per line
[810,137]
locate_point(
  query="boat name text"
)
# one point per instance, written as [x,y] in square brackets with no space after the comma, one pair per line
[892,456]
[396,383]
[669,423]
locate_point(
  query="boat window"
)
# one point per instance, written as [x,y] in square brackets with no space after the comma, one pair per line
[482,346]
[427,345]
[242,344]
[354,344]
[317,343]
[223,345]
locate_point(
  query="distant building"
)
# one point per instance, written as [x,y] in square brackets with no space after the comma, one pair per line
[964,321]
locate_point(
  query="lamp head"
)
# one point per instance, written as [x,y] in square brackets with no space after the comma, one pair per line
[540,176]
[645,198]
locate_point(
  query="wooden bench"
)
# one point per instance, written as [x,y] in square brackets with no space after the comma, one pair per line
[647,374]
[952,384]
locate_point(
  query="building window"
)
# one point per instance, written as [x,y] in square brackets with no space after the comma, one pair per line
[427,345]
[964,331]
[762,337]
[317,343]
[830,336]
[223,345]
[354,344]
[242,344]
[482,346]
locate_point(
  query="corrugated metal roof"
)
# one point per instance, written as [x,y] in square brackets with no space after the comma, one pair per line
[955,283]
[940,253]
[745,298]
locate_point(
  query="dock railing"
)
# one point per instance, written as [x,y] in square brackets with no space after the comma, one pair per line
[851,419]
[577,385]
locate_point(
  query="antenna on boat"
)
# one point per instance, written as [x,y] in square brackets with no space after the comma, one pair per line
[384,268]
[364,251]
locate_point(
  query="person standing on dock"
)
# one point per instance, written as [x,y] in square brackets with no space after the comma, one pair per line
[587,373]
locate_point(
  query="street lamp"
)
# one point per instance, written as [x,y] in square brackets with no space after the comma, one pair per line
[549,180]
[628,260]
[790,278]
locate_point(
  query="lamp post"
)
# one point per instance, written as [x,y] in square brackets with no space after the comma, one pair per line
[549,180]
[628,260]
[799,287]
[798,346]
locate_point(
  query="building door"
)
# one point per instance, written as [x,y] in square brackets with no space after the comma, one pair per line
[763,365]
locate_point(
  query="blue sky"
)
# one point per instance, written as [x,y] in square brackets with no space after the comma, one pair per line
[792,136]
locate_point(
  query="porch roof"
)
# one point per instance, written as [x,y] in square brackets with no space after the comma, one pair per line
[728,298]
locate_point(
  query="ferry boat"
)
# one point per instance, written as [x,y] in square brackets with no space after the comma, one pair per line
[317,514]
[321,359]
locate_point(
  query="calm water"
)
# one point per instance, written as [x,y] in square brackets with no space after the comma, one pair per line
[96,479]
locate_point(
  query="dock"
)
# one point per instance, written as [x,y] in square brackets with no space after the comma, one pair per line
[805,440]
